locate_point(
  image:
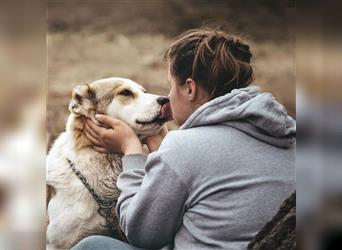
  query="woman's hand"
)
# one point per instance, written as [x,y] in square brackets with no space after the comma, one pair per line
[118,138]
[153,142]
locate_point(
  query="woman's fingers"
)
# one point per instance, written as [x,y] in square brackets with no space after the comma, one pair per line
[114,139]
[110,121]
[96,131]
[91,132]
[95,128]
[92,139]
[100,149]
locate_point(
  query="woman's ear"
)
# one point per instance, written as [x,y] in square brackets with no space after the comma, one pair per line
[195,93]
[191,89]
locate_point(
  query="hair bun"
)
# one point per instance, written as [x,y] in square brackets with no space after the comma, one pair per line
[240,50]
[217,61]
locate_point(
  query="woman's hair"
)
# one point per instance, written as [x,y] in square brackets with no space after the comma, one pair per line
[217,61]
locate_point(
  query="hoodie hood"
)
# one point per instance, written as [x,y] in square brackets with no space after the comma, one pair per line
[251,111]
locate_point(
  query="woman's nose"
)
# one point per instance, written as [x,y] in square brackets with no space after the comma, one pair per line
[162,100]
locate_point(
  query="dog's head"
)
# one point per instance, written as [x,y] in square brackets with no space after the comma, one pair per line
[122,99]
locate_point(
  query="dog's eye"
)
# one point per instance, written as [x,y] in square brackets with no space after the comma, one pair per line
[126,92]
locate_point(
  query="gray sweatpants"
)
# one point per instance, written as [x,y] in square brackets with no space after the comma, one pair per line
[99,242]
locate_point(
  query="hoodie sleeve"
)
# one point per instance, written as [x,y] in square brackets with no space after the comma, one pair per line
[152,200]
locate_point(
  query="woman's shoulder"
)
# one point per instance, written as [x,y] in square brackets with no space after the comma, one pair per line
[182,137]
[192,142]
[198,134]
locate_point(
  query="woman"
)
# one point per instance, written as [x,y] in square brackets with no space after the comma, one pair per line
[214,182]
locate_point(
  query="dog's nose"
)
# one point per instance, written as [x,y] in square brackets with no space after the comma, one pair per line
[162,100]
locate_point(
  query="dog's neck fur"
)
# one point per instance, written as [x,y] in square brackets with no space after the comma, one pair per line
[75,126]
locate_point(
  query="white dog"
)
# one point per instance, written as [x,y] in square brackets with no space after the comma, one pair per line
[83,181]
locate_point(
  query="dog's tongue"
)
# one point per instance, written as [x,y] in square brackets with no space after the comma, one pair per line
[166,112]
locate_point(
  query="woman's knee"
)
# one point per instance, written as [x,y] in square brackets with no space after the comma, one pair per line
[93,242]
[99,242]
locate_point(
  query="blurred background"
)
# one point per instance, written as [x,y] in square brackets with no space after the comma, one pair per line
[22,124]
[98,39]
[48,48]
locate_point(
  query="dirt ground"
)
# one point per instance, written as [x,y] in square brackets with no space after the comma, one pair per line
[100,39]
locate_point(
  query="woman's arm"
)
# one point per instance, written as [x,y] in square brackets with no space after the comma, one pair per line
[152,201]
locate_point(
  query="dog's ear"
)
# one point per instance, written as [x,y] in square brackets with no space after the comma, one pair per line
[83,101]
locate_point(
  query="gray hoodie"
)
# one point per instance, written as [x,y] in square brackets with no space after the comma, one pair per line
[216,180]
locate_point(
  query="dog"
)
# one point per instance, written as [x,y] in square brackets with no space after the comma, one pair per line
[82,181]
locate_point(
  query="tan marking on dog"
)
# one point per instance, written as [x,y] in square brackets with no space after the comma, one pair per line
[81,141]
[125,99]
[103,101]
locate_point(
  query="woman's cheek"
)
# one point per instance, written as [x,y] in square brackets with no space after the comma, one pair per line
[174,112]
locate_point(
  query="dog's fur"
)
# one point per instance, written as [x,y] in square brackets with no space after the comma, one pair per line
[72,210]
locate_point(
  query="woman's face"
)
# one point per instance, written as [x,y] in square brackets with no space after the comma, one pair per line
[180,104]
